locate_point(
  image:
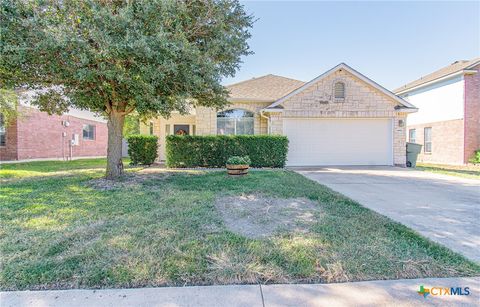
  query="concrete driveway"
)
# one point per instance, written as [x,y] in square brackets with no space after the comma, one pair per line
[443,208]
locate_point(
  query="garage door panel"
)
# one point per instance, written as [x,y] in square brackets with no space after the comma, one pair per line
[339,141]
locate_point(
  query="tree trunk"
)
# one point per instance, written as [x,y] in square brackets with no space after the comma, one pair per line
[114,150]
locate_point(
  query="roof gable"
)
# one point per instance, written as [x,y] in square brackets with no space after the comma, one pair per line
[266,88]
[456,67]
[352,71]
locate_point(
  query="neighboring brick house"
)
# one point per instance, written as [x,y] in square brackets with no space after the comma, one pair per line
[338,118]
[448,121]
[35,135]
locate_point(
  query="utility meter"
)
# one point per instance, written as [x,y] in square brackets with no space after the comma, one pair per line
[75,139]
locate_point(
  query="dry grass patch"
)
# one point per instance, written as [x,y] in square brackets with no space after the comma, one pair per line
[260,216]
[231,267]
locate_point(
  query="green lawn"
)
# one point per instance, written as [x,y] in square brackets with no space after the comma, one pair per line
[162,228]
[465,171]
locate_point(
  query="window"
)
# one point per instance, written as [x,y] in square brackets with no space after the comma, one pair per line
[2,130]
[412,135]
[339,90]
[151,128]
[89,132]
[235,121]
[427,143]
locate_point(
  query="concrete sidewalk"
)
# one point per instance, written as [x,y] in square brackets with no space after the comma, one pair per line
[369,293]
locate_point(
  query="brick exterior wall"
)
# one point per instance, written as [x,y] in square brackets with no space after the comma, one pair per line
[455,141]
[9,151]
[361,101]
[39,136]
[447,142]
[472,114]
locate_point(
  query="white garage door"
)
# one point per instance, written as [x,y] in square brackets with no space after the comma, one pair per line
[339,141]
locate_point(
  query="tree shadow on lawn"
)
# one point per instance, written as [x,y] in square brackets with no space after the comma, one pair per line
[25,170]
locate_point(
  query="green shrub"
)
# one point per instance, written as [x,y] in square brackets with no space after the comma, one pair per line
[214,150]
[142,149]
[476,157]
[237,160]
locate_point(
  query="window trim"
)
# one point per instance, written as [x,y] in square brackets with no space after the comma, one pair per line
[94,134]
[425,140]
[235,120]
[414,135]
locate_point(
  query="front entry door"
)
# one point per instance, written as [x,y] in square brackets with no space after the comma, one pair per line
[181,129]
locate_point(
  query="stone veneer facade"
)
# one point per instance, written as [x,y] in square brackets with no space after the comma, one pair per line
[361,101]
[207,117]
[203,121]
[160,126]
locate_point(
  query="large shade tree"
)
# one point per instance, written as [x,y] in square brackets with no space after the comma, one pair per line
[115,57]
[8,107]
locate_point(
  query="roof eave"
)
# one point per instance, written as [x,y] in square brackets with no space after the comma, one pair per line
[237,99]
[407,110]
[472,65]
[446,77]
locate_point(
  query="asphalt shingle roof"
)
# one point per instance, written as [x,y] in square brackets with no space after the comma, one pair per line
[442,72]
[265,88]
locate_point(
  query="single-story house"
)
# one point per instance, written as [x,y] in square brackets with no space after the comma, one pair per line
[448,121]
[35,135]
[339,118]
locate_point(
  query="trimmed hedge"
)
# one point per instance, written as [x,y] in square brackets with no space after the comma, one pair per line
[237,160]
[214,150]
[142,149]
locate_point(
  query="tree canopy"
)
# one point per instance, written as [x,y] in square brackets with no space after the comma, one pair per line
[8,106]
[119,56]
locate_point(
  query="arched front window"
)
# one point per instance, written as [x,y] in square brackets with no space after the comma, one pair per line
[235,121]
[339,90]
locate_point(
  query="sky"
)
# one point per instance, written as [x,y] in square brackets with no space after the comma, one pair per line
[392,43]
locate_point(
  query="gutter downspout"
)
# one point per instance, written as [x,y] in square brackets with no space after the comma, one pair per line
[268,120]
